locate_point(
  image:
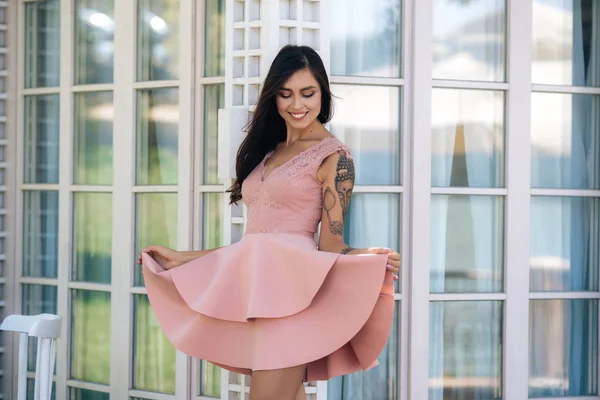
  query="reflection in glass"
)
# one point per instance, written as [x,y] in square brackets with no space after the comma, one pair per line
[367,118]
[566,42]
[85,394]
[465,350]
[373,220]
[37,299]
[92,237]
[153,354]
[469,40]
[564,243]
[214,38]
[31,385]
[467,138]
[94,41]
[366,38]
[563,348]
[90,336]
[212,220]
[214,99]
[157,136]
[42,43]
[212,237]
[565,141]
[467,243]
[41,144]
[210,379]
[155,223]
[157,40]
[93,138]
[379,383]
[40,234]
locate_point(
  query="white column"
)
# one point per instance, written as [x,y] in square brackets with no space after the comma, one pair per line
[420,203]
[518,176]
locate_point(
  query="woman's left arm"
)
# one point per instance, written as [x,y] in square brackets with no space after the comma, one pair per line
[337,177]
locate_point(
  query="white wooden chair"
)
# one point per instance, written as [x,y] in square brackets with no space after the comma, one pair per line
[46,327]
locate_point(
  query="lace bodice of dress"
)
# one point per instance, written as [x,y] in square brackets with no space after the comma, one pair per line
[289,199]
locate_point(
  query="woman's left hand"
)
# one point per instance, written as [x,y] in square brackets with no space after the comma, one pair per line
[393,261]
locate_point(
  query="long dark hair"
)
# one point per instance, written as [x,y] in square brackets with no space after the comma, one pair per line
[267,128]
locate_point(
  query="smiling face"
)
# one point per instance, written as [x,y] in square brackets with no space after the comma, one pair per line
[299,100]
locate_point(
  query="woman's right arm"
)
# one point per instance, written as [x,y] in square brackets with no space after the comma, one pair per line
[169,258]
[193,254]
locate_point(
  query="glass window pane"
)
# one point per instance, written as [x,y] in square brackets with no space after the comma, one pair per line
[467,138]
[210,379]
[214,99]
[469,40]
[373,220]
[40,234]
[42,43]
[563,348]
[93,138]
[465,350]
[467,244]
[377,383]
[153,354]
[367,118]
[85,394]
[158,40]
[31,385]
[42,133]
[214,38]
[155,223]
[566,42]
[37,299]
[94,41]
[90,336]
[212,220]
[565,141]
[92,237]
[366,38]
[564,244]
[157,136]
[212,237]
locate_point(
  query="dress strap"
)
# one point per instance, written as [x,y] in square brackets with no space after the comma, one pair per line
[327,149]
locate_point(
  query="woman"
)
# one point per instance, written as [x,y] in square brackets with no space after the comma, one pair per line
[274,305]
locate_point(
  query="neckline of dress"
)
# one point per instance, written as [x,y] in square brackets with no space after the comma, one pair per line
[269,154]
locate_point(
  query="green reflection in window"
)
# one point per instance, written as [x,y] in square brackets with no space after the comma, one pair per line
[157,137]
[214,37]
[153,354]
[93,139]
[90,336]
[92,237]
[156,223]
[214,99]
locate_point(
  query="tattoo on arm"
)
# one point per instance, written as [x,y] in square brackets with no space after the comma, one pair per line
[347,250]
[344,183]
[336,227]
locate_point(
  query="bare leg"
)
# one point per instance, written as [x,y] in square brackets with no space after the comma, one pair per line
[278,384]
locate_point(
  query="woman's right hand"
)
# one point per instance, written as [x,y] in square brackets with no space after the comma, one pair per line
[165,257]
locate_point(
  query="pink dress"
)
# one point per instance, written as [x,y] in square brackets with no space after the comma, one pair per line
[273,300]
